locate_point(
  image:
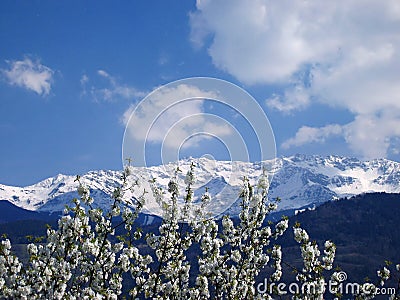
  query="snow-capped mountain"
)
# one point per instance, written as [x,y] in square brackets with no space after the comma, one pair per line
[300,181]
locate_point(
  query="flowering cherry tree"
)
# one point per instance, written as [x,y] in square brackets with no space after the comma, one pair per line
[84,258]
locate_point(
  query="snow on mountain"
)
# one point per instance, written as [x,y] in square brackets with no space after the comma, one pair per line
[52,194]
[300,181]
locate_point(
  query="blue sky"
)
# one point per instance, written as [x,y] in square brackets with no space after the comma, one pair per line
[326,75]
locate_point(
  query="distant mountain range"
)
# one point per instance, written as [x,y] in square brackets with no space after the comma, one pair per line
[300,181]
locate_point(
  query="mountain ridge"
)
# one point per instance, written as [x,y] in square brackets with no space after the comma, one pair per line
[299,180]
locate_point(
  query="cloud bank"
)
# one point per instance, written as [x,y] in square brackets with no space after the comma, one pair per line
[344,54]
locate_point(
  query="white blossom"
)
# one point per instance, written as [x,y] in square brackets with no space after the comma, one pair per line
[384,274]
[300,235]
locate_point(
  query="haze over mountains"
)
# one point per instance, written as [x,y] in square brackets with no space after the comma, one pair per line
[300,181]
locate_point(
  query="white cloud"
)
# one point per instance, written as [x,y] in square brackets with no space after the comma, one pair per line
[345,54]
[371,135]
[256,41]
[29,74]
[368,135]
[267,41]
[171,115]
[112,90]
[293,99]
[308,134]
[84,79]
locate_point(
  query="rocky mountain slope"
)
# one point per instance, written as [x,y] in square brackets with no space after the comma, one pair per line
[300,181]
